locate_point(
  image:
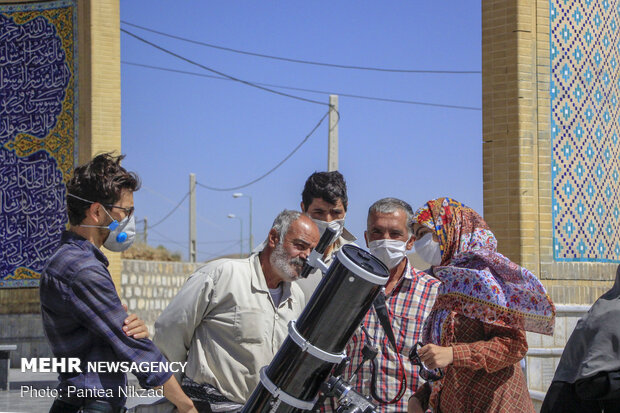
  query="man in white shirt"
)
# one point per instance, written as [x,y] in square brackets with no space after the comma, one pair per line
[231,316]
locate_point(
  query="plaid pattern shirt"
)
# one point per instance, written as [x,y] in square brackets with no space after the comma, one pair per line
[83,317]
[408,305]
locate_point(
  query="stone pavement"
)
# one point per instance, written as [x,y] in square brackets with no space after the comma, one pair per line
[30,393]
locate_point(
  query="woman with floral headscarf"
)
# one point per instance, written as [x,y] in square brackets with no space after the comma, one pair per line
[476,329]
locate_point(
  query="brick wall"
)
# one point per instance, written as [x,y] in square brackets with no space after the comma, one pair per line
[515,128]
[500,148]
[148,286]
[100,87]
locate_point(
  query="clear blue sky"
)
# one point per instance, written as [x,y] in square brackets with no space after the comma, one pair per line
[228,134]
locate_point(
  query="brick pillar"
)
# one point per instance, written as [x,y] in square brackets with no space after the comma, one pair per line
[100,88]
[510,132]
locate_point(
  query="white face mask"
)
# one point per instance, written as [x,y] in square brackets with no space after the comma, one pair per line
[122,234]
[428,249]
[335,225]
[390,251]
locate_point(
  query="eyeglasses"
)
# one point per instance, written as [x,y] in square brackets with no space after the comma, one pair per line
[128,211]
[426,374]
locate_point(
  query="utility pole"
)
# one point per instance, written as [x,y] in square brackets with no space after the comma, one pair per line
[240,234]
[332,145]
[239,195]
[192,217]
[251,234]
[146,227]
[241,238]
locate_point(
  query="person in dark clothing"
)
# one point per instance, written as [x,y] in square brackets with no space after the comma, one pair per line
[82,313]
[587,379]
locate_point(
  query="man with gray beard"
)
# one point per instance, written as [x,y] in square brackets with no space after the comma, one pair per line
[231,316]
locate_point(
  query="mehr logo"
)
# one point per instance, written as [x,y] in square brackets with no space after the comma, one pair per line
[51,365]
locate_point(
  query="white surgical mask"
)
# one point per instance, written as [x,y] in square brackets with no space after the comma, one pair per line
[335,225]
[428,249]
[390,251]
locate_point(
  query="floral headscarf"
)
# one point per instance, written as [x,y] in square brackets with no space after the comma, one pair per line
[477,281]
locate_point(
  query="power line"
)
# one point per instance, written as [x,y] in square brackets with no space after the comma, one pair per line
[184,244]
[307,62]
[168,239]
[221,73]
[231,244]
[218,253]
[409,102]
[220,242]
[159,194]
[272,169]
[200,217]
[169,213]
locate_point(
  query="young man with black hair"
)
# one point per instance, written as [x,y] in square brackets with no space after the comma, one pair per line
[325,199]
[82,313]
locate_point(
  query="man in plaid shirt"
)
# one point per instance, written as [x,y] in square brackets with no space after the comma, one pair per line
[82,313]
[410,294]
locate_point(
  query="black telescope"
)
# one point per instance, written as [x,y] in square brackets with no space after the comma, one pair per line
[314,260]
[317,340]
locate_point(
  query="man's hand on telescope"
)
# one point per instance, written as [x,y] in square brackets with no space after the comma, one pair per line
[434,356]
[135,326]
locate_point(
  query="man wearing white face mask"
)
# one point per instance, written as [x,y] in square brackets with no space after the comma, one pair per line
[82,313]
[410,295]
[325,199]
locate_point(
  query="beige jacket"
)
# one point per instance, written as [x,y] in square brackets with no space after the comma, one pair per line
[225,324]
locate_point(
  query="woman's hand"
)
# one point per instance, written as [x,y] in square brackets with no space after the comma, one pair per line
[434,356]
[414,406]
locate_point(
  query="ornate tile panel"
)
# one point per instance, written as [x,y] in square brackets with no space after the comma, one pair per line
[585,88]
[38,133]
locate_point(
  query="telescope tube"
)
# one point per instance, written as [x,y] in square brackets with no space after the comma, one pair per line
[324,242]
[316,342]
